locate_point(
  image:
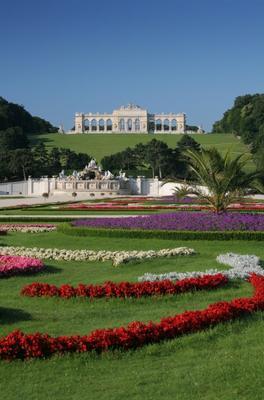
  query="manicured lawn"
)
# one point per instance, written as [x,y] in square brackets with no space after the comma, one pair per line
[223,363]
[99,145]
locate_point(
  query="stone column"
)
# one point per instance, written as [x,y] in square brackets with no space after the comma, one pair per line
[156,185]
[30,186]
[181,123]
[78,122]
[139,184]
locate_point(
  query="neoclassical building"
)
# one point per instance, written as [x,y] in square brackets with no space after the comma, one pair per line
[130,119]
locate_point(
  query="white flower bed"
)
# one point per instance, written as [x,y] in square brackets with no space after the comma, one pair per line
[241,267]
[27,228]
[117,257]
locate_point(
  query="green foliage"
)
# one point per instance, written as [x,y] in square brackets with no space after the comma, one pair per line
[13,138]
[224,178]
[246,119]
[18,159]
[160,234]
[155,155]
[12,115]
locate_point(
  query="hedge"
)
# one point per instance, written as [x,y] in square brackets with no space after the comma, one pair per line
[162,234]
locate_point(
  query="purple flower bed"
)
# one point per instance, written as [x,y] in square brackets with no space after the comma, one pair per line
[184,221]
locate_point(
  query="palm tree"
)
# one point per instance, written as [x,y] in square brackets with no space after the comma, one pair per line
[221,180]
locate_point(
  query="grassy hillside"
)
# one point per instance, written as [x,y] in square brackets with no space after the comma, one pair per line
[99,145]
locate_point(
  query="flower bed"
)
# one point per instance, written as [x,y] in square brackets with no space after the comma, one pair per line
[184,221]
[19,345]
[13,265]
[242,266]
[27,228]
[125,289]
[117,257]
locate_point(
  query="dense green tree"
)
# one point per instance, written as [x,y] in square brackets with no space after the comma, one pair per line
[21,163]
[155,156]
[188,143]
[12,115]
[245,119]
[13,138]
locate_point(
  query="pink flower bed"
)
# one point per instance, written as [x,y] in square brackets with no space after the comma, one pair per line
[13,265]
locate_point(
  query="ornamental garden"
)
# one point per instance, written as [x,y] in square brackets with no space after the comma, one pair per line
[143,296]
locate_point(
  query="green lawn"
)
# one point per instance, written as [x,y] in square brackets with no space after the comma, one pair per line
[223,363]
[99,145]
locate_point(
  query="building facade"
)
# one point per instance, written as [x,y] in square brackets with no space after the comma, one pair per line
[130,119]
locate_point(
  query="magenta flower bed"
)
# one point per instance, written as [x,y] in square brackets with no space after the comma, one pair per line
[181,221]
[13,265]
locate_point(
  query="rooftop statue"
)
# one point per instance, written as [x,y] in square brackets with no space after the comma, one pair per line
[92,165]
[107,175]
[62,174]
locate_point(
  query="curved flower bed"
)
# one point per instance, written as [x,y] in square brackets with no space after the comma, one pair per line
[183,221]
[13,265]
[117,257]
[125,289]
[28,228]
[242,266]
[19,345]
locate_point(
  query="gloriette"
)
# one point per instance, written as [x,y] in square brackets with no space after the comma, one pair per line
[130,119]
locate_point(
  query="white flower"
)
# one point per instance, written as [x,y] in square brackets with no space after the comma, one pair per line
[241,268]
[117,257]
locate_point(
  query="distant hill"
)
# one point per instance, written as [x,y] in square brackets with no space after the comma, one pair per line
[15,115]
[245,119]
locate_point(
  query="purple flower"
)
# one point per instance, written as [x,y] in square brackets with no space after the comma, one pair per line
[189,221]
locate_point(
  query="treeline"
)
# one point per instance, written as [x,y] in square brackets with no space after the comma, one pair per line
[37,161]
[155,156]
[245,119]
[12,115]
[18,158]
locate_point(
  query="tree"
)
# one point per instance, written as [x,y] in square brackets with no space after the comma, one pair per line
[156,152]
[188,143]
[13,138]
[12,115]
[245,118]
[20,162]
[223,179]
[41,164]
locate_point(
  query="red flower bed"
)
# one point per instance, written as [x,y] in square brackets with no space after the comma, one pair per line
[18,345]
[125,289]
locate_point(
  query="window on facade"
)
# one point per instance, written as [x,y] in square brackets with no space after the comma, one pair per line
[137,124]
[158,125]
[94,124]
[166,125]
[129,125]
[109,125]
[122,124]
[86,125]
[174,125]
[101,125]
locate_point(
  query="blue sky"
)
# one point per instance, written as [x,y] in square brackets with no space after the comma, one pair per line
[59,57]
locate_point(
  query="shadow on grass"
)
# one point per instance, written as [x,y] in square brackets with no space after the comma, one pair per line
[12,315]
[50,269]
